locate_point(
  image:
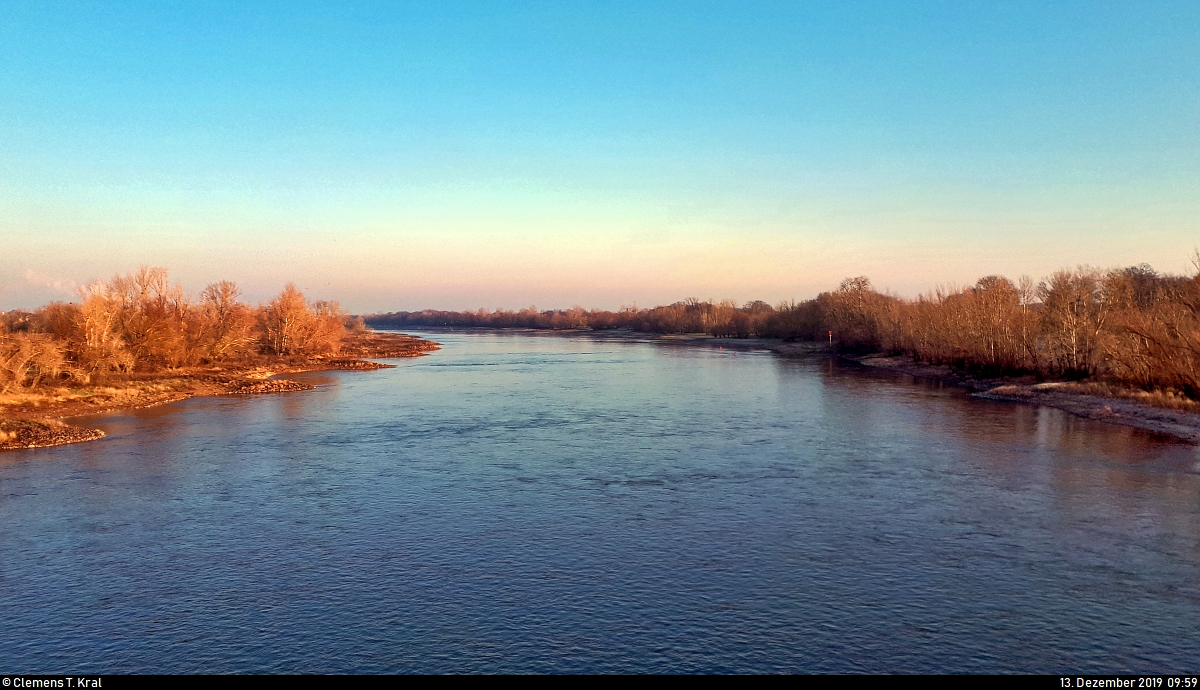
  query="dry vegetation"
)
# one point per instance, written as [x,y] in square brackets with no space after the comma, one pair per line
[1128,332]
[1131,334]
[137,340]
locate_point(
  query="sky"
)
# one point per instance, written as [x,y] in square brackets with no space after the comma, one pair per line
[455,155]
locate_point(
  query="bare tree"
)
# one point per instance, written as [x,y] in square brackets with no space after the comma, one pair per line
[227,325]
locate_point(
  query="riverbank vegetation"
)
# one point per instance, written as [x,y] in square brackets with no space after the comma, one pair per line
[1129,327]
[141,323]
[138,340]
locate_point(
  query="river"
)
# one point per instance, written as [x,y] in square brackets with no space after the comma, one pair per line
[533,503]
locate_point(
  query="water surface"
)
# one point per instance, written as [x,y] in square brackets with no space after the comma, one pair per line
[548,504]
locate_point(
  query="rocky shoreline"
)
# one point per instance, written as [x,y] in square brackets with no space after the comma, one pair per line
[272,386]
[22,433]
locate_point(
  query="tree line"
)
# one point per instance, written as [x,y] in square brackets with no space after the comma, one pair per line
[1130,326]
[142,323]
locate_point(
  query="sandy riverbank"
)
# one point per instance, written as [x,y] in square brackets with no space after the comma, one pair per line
[36,419]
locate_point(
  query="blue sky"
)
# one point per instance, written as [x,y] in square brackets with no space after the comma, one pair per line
[459,155]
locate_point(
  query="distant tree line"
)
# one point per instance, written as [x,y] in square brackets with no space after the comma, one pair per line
[690,316]
[1131,326]
[141,323]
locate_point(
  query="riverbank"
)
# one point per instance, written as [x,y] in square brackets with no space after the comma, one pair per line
[1157,412]
[1160,413]
[36,419]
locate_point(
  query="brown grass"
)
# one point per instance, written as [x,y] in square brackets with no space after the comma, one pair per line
[1166,399]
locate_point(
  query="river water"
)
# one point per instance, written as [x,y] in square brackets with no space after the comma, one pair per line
[524,503]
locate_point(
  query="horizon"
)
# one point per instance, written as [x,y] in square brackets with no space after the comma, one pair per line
[398,158]
[940,287]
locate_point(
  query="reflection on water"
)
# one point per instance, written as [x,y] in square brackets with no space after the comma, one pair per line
[532,503]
